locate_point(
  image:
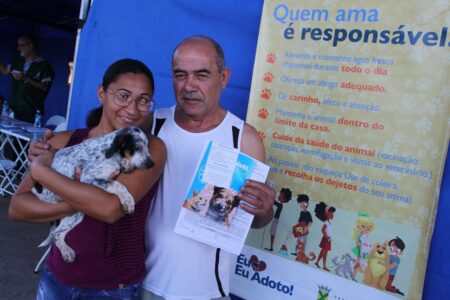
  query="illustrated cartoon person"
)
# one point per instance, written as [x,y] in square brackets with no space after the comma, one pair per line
[284,196]
[396,248]
[324,213]
[364,226]
[304,221]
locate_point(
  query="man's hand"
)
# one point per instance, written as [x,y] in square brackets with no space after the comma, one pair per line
[39,147]
[258,199]
[18,75]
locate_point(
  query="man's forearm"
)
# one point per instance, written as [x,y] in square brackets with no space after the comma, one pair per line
[36,84]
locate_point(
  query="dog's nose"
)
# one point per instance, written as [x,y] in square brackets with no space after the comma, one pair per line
[148,163]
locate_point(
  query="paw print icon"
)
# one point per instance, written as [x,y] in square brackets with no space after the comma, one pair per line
[268,77]
[271,58]
[262,134]
[266,93]
[263,113]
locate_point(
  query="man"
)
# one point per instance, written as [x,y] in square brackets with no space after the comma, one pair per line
[32,80]
[284,196]
[179,267]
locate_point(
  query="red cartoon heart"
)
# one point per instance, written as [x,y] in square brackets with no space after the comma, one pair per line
[257,265]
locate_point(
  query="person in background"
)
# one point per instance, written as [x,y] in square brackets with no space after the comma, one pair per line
[109,244]
[199,271]
[284,196]
[32,78]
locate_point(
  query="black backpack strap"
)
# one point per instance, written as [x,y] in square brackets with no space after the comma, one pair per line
[159,123]
[216,271]
[235,137]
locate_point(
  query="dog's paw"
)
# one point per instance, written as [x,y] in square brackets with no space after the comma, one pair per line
[128,206]
[126,200]
[68,254]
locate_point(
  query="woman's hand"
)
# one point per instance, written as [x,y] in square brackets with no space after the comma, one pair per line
[41,162]
[39,147]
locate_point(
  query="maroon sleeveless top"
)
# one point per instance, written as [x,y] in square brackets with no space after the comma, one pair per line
[108,256]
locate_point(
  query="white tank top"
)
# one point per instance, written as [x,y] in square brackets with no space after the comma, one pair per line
[179,267]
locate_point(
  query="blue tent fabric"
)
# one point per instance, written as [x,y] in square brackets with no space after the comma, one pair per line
[149,31]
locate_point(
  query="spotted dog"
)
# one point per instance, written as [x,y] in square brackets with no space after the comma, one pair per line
[123,150]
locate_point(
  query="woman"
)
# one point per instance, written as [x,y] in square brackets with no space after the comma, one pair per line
[108,244]
[325,214]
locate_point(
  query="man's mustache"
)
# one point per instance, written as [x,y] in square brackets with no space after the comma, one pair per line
[192,96]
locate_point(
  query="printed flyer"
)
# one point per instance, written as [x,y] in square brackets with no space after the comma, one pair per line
[211,213]
[351,99]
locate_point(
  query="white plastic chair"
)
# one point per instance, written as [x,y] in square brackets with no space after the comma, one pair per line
[61,127]
[6,171]
[55,121]
[6,177]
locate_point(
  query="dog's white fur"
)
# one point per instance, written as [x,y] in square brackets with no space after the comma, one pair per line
[120,151]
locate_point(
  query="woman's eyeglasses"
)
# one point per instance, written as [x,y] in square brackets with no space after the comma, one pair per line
[123,99]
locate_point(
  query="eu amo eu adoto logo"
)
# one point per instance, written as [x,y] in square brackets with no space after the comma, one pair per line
[252,268]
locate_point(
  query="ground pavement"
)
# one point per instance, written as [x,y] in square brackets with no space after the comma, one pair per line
[19,255]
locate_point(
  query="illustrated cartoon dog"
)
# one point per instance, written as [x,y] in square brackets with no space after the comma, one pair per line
[343,267]
[377,270]
[123,150]
[223,205]
[199,201]
[301,256]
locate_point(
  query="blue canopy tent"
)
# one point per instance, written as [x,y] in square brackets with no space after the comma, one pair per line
[149,31]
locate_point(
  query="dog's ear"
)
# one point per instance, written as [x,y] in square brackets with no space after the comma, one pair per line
[218,189]
[236,201]
[119,143]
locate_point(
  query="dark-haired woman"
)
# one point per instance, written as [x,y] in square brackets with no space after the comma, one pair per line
[108,244]
[324,213]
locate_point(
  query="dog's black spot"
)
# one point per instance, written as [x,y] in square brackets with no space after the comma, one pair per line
[39,188]
[120,144]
